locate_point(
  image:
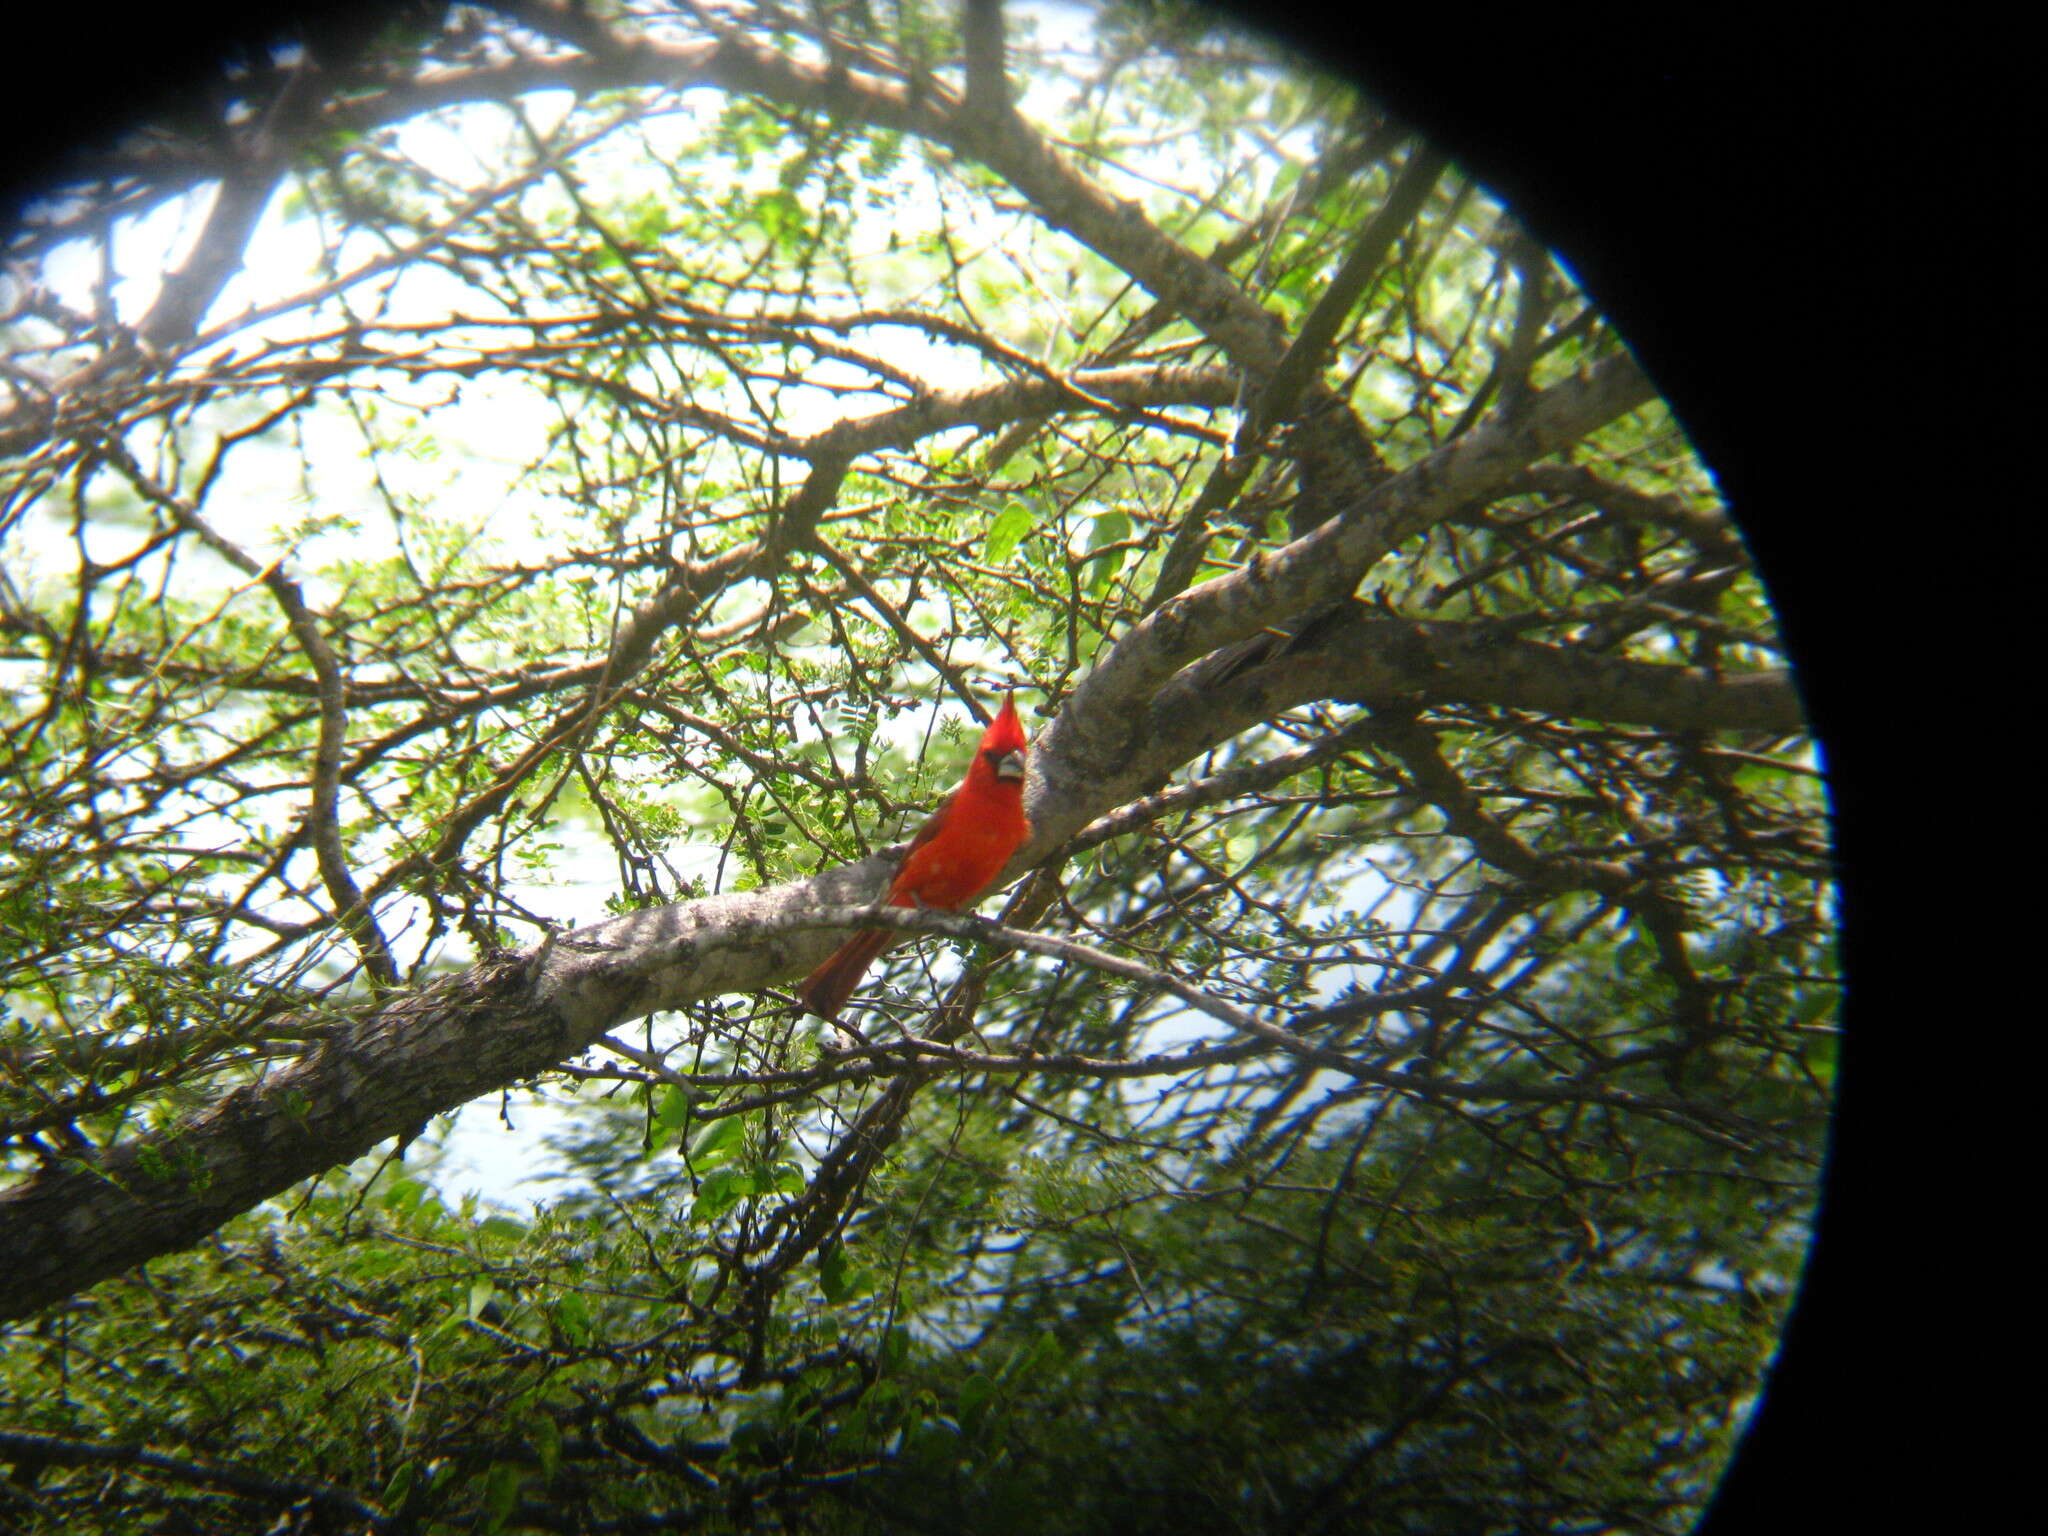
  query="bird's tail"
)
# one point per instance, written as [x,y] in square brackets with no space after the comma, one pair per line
[826,989]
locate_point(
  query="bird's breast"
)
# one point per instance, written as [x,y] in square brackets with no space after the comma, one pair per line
[959,864]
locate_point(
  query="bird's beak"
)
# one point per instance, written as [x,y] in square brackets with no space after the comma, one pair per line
[1010,766]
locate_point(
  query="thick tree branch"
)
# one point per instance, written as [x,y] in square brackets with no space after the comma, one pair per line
[189,292]
[1309,350]
[29,1448]
[981,33]
[1095,735]
[1362,656]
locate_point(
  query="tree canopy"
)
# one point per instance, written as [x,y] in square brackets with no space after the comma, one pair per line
[507,520]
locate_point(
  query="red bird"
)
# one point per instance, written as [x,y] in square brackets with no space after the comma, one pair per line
[952,860]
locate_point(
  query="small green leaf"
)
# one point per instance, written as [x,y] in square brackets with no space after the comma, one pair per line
[547,1442]
[501,1492]
[841,1280]
[1110,528]
[1007,532]
[975,1392]
[1046,1355]
[573,1313]
[895,1347]
[674,1108]
[400,1484]
[721,1191]
[718,1141]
